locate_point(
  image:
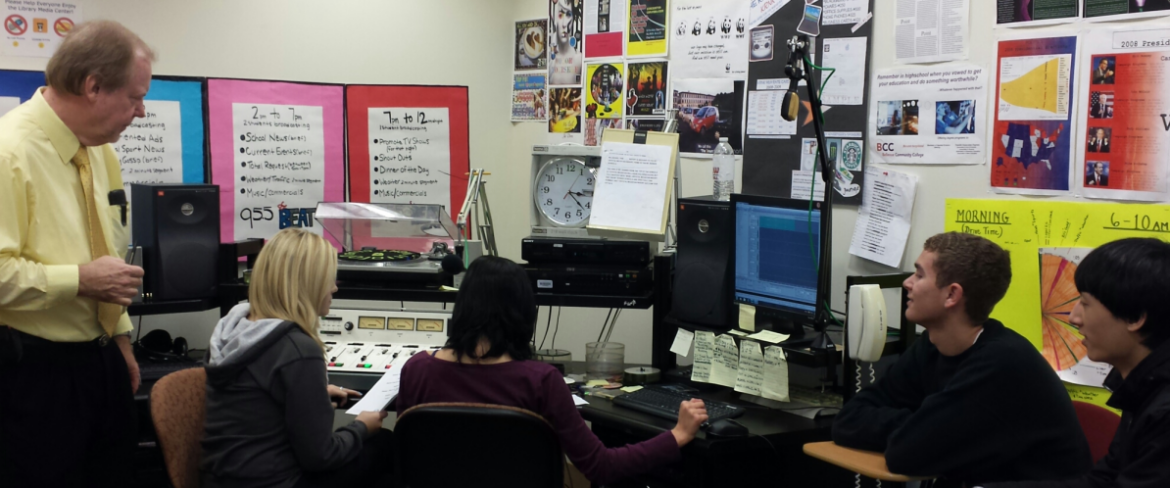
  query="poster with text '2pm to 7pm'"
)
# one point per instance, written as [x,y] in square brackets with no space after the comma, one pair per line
[277,150]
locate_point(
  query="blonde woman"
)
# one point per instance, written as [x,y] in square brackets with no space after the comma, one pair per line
[269,417]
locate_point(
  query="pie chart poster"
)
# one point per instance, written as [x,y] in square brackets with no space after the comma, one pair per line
[1031,145]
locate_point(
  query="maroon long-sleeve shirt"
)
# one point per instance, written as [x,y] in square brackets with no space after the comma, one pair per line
[537,387]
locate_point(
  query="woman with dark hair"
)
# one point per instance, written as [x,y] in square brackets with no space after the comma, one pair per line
[487,359]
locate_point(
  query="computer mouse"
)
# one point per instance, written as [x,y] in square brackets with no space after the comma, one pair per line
[726,428]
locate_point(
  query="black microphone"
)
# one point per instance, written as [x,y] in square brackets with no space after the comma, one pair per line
[452,264]
[795,70]
[118,197]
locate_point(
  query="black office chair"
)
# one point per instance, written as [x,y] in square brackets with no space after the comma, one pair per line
[455,445]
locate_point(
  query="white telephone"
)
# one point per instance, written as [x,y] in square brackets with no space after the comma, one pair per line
[866,322]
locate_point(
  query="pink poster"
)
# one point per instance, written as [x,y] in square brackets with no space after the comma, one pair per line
[277,150]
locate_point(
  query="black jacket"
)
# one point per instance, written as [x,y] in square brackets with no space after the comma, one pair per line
[269,417]
[995,412]
[1139,456]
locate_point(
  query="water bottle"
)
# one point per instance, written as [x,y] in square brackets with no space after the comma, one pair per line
[723,171]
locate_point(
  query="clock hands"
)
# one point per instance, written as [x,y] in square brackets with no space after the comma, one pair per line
[582,193]
[571,185]
[570,194]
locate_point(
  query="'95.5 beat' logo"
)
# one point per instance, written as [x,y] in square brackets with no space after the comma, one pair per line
[289,217]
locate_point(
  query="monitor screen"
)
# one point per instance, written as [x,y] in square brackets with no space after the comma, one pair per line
[776,240]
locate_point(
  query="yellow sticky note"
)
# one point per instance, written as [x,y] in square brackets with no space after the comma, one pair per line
[631,389]
[597,383]
[747,317]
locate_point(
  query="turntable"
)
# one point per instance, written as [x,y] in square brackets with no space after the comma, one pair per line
[388,242]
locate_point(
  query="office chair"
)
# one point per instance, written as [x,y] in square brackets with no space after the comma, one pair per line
[1099,425]
[448,445]
[178,407]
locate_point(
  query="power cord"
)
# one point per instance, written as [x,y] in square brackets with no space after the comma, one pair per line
[546,328]
[557,329]
[603,325]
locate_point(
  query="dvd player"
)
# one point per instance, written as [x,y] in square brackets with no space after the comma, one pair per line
[584,251]
[593,279]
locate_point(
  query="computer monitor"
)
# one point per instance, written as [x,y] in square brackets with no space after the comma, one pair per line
[777,249]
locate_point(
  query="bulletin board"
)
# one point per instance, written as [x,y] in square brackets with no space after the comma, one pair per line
[408,144]
[770,159]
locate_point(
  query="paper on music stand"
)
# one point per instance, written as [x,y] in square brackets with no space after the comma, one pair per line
[632,185]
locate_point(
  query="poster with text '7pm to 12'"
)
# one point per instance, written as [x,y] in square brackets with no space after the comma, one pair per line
[1032,140]
[277,150]
[408,144]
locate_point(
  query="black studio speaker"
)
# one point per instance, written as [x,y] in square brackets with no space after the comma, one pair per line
[702,274]
[178,229]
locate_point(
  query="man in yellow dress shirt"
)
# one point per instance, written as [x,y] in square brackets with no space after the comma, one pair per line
[67,370]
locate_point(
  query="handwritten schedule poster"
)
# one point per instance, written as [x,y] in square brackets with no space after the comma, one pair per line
[408,144]
[276,152]
[166,146]
[410,155]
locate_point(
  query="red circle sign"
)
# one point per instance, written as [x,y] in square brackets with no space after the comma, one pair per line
[15,25]
[63,26]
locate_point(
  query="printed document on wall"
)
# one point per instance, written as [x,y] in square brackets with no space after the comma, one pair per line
[1034,129]
[929,115]
[709,40]
[1124,99]
[929,32]
[847,56]
[883,222]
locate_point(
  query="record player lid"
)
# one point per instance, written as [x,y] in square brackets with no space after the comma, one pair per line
[410,227]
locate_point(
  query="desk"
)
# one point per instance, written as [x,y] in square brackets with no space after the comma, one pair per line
[867,463]
[748,461]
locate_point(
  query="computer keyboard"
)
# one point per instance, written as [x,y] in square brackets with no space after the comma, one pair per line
[664,403]
[153,371]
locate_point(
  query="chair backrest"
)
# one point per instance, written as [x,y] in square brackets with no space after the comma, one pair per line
[443,445]
[1099,425]
[178,406]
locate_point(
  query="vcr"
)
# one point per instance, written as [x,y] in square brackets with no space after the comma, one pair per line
[584,251]
[593,279]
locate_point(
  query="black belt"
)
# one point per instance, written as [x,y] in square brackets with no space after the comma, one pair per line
[34,342]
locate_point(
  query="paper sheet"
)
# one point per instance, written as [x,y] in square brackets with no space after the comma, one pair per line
[929,32]
[383,392]
[769,336]
[751,368]
[883,222]
[632,185]
[747,317]
[775,385]
[764,108]
[8,103]
[704,354]
[725,362]
[737,333]
[844,12]
[847,56]
[802,180]
[714,41]
[682,342]
[578,401]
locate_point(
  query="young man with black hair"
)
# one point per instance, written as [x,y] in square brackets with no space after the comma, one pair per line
[971,401]
[1124,315]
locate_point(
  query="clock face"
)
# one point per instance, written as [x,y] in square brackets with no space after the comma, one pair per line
[563,191]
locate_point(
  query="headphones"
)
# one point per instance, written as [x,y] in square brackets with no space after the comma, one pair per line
[158,347]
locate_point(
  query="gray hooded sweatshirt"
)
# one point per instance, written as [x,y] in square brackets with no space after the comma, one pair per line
[269,416]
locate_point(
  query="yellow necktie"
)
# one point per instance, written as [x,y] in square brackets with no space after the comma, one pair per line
[108,313]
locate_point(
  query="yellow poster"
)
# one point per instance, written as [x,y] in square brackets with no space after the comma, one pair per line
[604,87]
[1045,239]
[647,31]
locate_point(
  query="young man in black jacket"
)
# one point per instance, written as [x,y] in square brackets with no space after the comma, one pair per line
[1124,315]
[971,401]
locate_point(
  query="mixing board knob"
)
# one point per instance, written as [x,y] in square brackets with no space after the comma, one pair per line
[349,326]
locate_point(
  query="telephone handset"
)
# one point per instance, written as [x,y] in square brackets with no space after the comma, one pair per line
[866,323]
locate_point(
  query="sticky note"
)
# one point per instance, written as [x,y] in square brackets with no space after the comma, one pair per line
[769,336]
[596,383]
[682,342]
[747,317]
[631,389]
